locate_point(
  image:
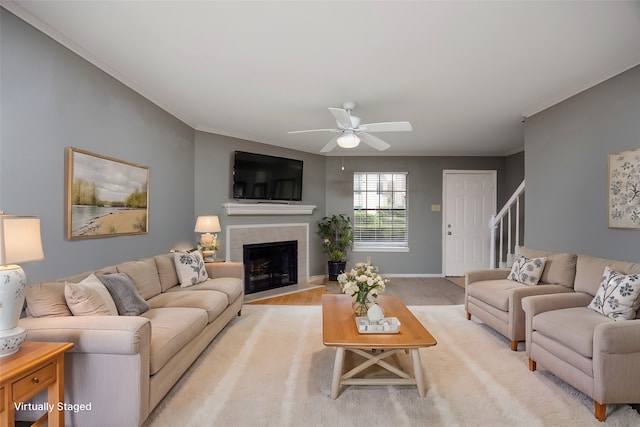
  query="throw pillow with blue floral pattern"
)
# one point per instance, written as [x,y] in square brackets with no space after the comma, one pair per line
[618,296]
[190,268]
[527,270]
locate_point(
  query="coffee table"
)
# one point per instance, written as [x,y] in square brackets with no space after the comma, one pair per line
[339,330]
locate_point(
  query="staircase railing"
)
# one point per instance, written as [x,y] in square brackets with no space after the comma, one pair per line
[497,221]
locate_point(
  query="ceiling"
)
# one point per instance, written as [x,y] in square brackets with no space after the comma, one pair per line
[465,74]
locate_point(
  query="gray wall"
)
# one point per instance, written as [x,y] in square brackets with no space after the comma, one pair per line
[213,166]
[425,189]
[566,169]
[51,99]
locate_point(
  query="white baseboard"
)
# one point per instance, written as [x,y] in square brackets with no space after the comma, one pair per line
[320,277]
[412,275]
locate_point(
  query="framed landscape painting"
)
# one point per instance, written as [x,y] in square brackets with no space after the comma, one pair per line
[105,196]
[624,189]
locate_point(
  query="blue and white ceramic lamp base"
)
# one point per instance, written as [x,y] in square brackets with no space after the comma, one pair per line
[12,287]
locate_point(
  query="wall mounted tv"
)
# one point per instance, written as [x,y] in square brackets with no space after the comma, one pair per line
[262,177]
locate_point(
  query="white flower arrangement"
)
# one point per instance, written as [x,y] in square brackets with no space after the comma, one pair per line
[363,282]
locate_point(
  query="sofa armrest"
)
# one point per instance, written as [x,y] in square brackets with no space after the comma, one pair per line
[617,337]
[225,269]
[537,304]
[616,361]
[489,274]
[92,334]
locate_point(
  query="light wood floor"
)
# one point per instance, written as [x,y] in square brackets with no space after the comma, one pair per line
[310,297]
[440,291]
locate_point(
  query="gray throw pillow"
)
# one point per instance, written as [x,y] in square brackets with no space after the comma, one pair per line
[124,293]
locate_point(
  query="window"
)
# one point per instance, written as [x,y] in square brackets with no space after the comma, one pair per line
[380,211]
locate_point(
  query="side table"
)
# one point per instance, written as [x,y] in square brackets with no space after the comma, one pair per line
[37,366]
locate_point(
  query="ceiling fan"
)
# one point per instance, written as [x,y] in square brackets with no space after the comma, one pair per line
[351,132]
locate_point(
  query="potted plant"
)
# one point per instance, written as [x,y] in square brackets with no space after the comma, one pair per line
[336,233]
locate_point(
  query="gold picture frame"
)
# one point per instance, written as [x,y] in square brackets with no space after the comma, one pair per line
[624,190]
[105,197]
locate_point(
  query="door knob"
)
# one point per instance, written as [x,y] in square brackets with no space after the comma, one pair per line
[449,233]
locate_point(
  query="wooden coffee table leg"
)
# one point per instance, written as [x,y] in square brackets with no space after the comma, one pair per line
[417,371]
[337,372]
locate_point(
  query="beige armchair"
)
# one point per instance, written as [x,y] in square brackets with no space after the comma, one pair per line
[497,301]
[594,353]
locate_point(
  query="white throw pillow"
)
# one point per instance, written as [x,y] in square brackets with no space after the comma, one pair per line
[93,282]
[85,300]
[618,296]
[190,268]
[527,270]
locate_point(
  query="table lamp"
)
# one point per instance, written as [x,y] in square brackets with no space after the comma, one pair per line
[20,241]
[207,225]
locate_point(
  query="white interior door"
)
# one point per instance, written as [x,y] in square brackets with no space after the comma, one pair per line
[469,200]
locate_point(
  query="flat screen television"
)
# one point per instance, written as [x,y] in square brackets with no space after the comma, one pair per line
[262,177]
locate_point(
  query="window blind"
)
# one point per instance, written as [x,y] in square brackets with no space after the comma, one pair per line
[380,210]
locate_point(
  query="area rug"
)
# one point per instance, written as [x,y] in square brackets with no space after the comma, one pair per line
[270,368]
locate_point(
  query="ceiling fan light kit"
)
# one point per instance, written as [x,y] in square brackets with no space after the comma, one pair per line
[351,132]
[348,140]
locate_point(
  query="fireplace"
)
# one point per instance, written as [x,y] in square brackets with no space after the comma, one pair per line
[270,265]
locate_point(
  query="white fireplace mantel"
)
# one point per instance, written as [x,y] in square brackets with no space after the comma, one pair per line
[267,209]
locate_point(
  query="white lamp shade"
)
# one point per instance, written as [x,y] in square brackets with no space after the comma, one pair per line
[348,140]
[207,224]
[20,239]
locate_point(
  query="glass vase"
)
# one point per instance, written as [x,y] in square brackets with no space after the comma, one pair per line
[360,308]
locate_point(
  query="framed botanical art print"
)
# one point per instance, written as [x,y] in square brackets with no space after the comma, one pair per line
[105,196]
[624,189]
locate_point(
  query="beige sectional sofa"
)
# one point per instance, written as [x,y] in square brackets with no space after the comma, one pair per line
[124,365]
[591,351]
[497,301]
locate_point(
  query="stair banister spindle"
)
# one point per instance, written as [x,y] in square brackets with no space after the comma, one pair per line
[517,245]
[501,242]
[509,241]
[492,242]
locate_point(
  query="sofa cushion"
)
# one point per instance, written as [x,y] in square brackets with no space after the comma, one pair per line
[213,302]
[494,292]
[124,294]
[47,300]
[589,272]
[231,286]
[573,327]
[190,268]
[93,282]
[527,270]
[85,300]
[560,267]
[144,275]
[166,271]
[618,296]
[172,328]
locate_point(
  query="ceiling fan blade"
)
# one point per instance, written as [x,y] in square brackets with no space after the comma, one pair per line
[387,127]
[343,117]
[373,141]
[314,130]
[330,146]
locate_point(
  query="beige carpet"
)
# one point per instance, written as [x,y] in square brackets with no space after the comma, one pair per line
[270,368]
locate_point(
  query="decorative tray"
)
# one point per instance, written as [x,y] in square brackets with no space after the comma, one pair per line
[388,325]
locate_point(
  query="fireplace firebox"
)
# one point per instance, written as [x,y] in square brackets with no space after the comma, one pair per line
[270,265]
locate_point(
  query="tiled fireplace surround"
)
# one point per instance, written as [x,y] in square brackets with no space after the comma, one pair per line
[239,235]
